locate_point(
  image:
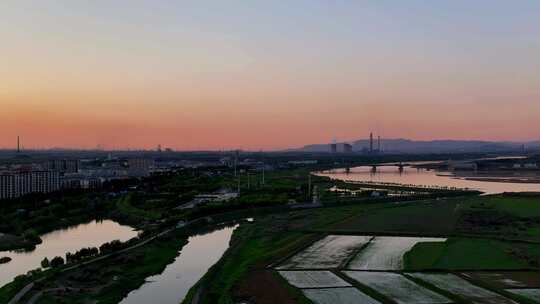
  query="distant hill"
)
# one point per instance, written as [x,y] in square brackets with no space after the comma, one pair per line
[432,146]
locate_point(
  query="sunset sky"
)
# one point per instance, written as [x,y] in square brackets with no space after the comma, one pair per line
[266,74]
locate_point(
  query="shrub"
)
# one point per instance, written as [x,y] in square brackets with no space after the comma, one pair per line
[45,263]
[57,262]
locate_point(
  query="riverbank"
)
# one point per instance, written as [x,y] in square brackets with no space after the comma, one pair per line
[12,242]
[430,179]
[522,180]
[155,207]
[107,278]
[254,246]
[508,222]
[26,223]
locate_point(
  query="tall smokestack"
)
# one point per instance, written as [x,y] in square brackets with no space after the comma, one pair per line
[18,145]
[371,142]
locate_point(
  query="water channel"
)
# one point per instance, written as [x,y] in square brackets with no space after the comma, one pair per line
[196,257]
[423,177]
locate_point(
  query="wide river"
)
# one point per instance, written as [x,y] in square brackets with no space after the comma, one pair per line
[172,285]
[422,177]
[57,243]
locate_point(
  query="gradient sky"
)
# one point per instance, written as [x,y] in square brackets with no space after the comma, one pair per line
[266,74]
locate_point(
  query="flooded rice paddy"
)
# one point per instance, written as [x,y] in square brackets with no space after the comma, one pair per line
[386,253]
[531,294]
[338,295]
[377,253]
[379,260]
[329,252]
[462,288]
[397,287]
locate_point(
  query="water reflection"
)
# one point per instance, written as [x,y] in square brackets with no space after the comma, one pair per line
[57,243]
[422,177]
[172,286]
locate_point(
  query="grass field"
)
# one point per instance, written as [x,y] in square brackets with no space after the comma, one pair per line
[124,205]
[499,215]
[432,217]
[465,253]
[526,207]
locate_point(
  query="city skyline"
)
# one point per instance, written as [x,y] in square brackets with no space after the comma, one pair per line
[266,75]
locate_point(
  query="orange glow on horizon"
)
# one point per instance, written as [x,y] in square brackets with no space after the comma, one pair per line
[194,75]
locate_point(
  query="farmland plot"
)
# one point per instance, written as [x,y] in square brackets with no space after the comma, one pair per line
[338,295]
[313,279]
[462,288]
[397,287]
[327,253]
[507,279]
[532,294]
[386,253]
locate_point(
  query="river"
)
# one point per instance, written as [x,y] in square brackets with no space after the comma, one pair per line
[422,177]
[173,284]
[58,242]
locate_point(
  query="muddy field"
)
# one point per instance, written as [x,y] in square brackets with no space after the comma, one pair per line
[338,295]
[313,279]
[507,279]
[274,291]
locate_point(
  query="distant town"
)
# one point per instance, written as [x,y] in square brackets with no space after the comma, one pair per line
[45,171]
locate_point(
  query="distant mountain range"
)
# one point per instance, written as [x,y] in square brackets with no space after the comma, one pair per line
[431,146]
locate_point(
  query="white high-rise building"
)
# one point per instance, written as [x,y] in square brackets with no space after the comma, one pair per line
[8,186]
[16,184]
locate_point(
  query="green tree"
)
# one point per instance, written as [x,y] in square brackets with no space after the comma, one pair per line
[45,263]
[57,262]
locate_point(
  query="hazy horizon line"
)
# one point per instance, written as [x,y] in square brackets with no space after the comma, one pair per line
[104,148]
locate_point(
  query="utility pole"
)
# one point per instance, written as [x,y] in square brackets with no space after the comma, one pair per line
[235,162]
[309,185]
[238,185]
[263,180]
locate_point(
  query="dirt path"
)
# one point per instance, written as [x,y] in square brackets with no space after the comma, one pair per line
[273,292]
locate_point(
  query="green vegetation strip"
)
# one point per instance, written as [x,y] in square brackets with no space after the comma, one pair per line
[124,205]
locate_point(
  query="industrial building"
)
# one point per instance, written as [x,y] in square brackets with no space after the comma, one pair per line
[63,165]
[141,166]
